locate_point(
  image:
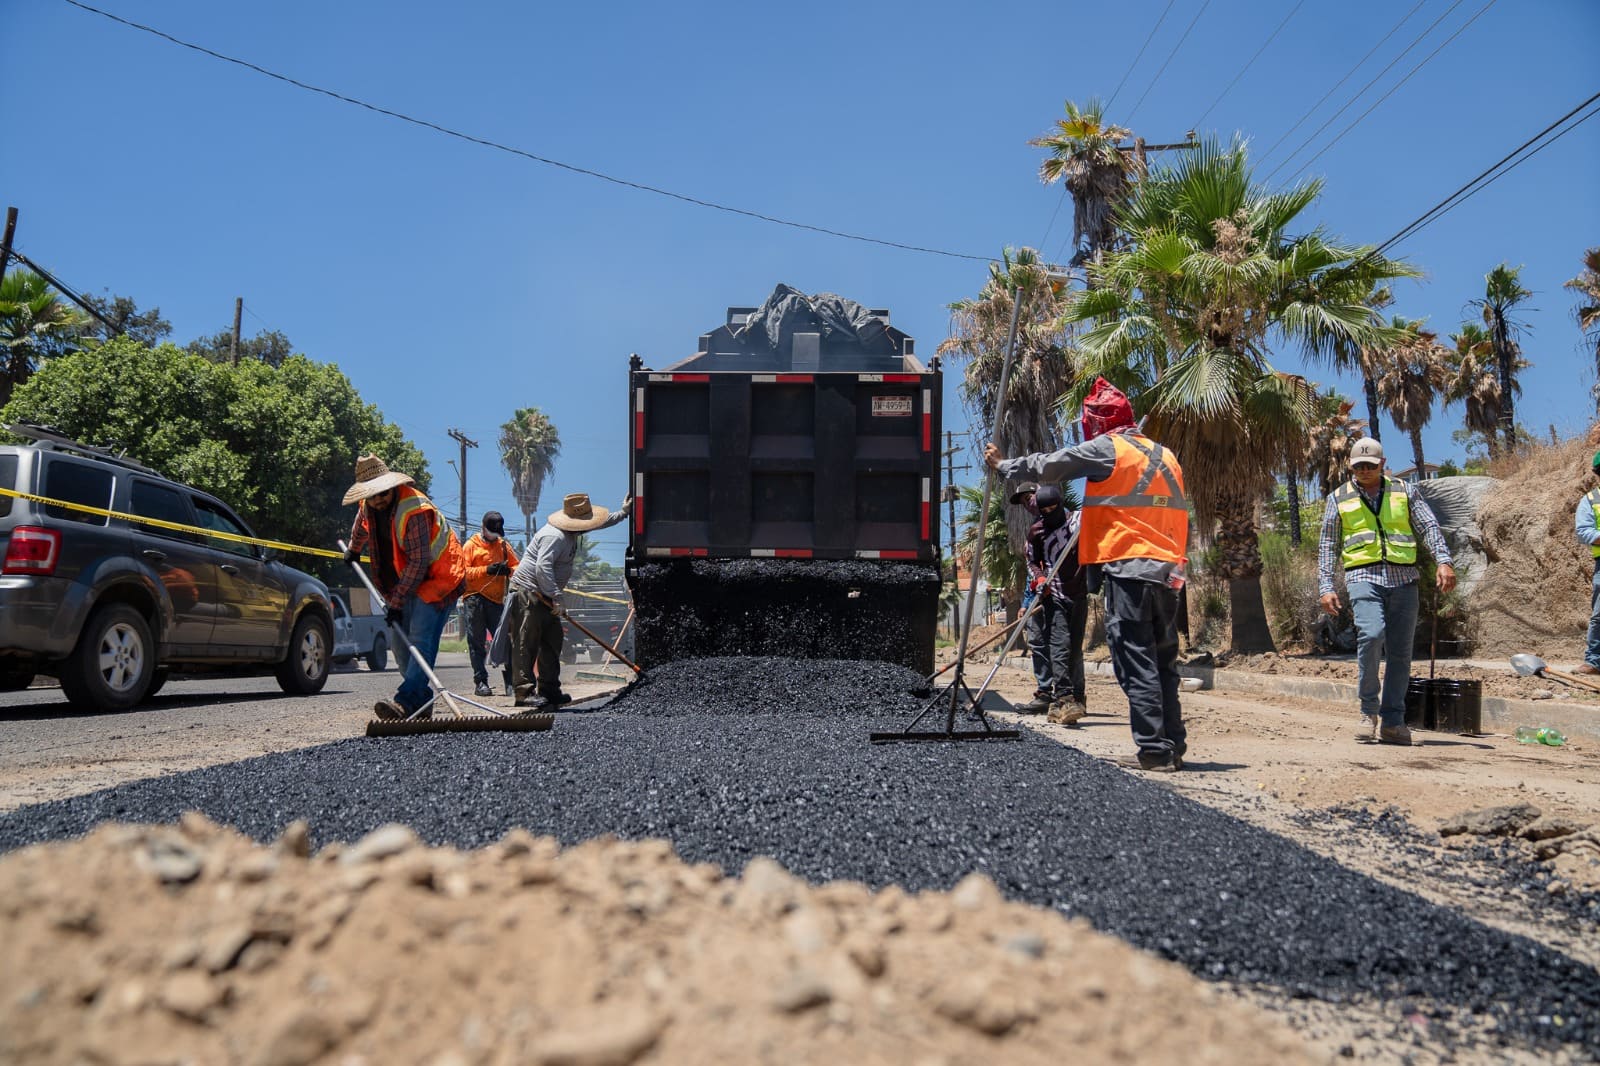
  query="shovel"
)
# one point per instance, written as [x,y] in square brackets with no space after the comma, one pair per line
[1532,666]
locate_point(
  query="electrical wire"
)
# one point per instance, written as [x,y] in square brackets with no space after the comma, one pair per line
[1150,37]
[51,279]
[497,146]
[1163,70]
[1251,62]
[1262,158]
[1392,89]
[1359,93]
[1484,180]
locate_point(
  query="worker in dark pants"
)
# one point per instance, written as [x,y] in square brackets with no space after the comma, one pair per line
[489,561]
[1135,532]
[536,608]
[1055,629]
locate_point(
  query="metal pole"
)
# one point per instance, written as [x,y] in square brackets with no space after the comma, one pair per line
[5,241]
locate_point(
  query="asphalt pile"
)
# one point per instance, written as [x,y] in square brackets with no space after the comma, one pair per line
[794,782]
[759,685]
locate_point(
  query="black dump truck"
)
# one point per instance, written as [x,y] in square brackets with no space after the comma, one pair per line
[784,481]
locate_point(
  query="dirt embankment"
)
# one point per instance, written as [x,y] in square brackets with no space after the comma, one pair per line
[162,944]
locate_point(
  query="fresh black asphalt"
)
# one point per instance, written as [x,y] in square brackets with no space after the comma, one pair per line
[731,759]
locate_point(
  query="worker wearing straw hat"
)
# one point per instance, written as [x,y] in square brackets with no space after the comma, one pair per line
[536,605]
[416,565]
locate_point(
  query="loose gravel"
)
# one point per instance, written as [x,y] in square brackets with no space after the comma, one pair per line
[730,760]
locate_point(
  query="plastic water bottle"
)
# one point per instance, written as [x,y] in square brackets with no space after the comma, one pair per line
[1540,734]
[1179,575]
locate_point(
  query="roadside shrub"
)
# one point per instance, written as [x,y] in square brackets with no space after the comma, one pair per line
[1289,588]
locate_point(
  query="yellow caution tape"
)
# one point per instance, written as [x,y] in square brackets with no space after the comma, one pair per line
[594,596]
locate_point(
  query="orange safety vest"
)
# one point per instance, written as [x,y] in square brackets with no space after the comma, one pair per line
[446,571]
[476,555]
[1138,512]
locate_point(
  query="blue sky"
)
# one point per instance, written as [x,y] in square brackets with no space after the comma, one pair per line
[454,283]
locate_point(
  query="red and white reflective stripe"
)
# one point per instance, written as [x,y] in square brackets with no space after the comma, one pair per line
[638,418]
[925,508]
[638,502]
[681,378]
[675,552]
[781,553]
[901,379]
[927,421]
[894,554]
[783,379]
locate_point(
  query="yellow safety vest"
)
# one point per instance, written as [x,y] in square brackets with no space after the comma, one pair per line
[1370,539]
[1593,497]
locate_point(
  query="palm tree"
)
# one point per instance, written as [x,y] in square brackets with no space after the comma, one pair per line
[1213,275]
[1474,383]
[1418,374]
[529,445]
[1503,293]
[1330,438]
[1040,370]
[1587,286]
[35,324]
[1083,152]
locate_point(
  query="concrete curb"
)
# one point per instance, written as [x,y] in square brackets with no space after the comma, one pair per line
[1499,715]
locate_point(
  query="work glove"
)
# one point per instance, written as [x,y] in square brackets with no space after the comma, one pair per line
[499,569]
[393,615]
[352,555]
[1039,586]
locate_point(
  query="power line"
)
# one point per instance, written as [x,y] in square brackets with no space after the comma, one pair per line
[1160,72]
[497,146]
[1363,62]
[65,290]
[1479,183]
[1393,88]
[1359,93]
[1270,38]
[1135,63]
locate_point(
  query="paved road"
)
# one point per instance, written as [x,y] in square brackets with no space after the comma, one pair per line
[48,751]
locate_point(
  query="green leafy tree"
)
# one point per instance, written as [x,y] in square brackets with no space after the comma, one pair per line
[1003,567]
[1418,374]
[587,566]
[279,444]
[1330,438]
[529,446]
[1084,153]
[268,346]
[1587,287]
[36,324]
[146,327]
[1214,278]
[1503,294]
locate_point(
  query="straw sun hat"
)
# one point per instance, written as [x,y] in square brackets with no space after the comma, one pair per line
[372,477]
[578,515]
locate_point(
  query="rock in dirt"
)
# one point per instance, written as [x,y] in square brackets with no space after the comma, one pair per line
[1549,826]
[1491,821]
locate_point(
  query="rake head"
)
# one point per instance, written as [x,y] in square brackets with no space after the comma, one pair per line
[475,723]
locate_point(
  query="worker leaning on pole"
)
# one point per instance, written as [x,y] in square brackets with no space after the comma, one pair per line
[416,565]
[534,613]
[1133,540]
[1588,530]
[1370,525]
[489,561]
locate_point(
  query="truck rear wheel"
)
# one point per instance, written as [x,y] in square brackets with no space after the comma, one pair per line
[378,657]
[304,670]
[112,665]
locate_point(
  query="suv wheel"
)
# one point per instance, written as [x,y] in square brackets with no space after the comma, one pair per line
[304,670]
[378,657]
[112,665]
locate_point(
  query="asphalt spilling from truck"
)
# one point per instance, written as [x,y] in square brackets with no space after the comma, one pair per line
[735,758]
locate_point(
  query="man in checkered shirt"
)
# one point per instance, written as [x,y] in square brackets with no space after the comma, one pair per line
[1370,528]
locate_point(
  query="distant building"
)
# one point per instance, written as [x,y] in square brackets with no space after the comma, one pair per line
[1429,472]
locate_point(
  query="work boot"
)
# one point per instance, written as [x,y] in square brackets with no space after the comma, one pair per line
[1038,705]
[388,710]
[1586,668]
[1067,712]
[509,690]
[483,689]
[1367,732]
[1149,765]
[1395,734]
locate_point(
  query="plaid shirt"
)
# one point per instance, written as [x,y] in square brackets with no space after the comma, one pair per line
[1385,575]
[415,545]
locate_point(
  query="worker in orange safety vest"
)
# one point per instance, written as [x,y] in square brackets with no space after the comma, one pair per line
[489,561]
[1133,544]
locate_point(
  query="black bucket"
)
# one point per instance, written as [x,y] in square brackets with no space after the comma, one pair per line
[1456,706]
[1421,712]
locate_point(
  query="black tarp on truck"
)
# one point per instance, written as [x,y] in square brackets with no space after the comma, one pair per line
[784,479]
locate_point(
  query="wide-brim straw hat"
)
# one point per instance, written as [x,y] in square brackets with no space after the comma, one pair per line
[372,477]
[578,515]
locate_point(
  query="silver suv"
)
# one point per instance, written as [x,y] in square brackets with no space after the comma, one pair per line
[111,606]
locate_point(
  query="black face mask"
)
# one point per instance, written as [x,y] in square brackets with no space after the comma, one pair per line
[1054,519]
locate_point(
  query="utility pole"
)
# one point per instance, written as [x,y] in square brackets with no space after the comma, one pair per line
[238,311]
[5,241]
[462,439]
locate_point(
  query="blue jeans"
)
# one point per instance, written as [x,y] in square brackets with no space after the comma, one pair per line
[1386,623]
[423,623]
[1592,654]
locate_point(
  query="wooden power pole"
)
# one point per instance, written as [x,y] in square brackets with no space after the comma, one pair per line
[238,311]
[5,241]
[462,439]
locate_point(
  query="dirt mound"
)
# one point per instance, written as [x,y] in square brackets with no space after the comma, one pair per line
[160,944]
[1535,595]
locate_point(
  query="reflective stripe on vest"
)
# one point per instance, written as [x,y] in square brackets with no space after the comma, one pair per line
[1594,501]
[1370,539]
[1129,515]
[445,567]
